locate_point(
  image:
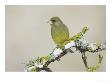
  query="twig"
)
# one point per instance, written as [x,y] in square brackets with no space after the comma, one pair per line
[84,59]
[77,41]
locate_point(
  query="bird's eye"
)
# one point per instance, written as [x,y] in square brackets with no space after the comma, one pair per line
[53,20]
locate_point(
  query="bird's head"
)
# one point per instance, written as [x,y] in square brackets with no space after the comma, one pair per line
[55,20]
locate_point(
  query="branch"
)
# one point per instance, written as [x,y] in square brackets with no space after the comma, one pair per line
[77,41]
[84,60]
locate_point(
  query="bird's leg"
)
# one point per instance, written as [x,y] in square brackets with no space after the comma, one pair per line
[61,46]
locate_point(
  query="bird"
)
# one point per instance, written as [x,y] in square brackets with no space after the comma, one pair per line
[59,31]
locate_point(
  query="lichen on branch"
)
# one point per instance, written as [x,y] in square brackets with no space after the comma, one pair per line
[78,42]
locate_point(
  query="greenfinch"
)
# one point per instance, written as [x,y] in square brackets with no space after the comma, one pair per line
[59,31]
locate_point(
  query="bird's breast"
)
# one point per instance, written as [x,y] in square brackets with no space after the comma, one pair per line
[59,34]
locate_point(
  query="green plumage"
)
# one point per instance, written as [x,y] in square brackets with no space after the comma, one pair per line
[59,31]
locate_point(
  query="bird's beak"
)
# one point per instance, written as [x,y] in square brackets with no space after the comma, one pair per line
[50,22]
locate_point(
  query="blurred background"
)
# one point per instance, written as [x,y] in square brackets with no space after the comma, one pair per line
[27,34]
